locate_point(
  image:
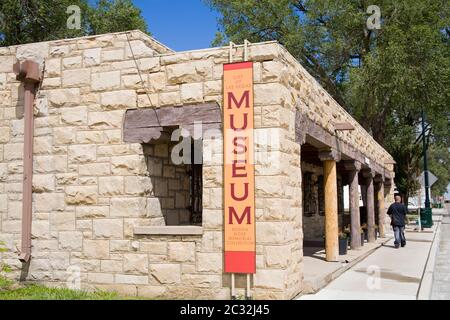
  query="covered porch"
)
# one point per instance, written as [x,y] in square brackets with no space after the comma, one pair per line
[344,193]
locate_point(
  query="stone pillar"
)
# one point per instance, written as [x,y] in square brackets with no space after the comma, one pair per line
[329,158]
[380,200]
[370,206]
[353,168]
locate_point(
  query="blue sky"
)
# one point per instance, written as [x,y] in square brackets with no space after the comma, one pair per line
[181,25]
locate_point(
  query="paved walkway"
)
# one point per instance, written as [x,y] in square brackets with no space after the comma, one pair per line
[387,273]
[317,272]
[441,276]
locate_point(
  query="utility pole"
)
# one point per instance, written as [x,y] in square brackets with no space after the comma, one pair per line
[426,219]
[425,163]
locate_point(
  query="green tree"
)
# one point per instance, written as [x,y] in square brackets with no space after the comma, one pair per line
[114,16]
[439,158]
[24,21]
[383,77]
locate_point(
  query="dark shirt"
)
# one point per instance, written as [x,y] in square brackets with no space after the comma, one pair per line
[397,212]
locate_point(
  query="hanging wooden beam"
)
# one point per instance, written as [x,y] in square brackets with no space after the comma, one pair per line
[343,126]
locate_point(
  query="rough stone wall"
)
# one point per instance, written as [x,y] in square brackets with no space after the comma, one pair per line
[314,225]
[170,183]
[91,189]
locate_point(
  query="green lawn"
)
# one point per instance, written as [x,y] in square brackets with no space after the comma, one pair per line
[10,290]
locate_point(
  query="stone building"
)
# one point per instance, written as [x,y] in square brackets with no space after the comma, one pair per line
[108,202]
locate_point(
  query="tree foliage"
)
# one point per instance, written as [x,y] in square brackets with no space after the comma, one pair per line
[24,21]
[383,77]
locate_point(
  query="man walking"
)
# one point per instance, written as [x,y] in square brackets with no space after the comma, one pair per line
[397,211]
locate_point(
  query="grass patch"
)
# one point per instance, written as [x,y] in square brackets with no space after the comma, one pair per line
[11,290]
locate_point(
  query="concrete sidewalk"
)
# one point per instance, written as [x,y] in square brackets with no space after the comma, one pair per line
[387,273]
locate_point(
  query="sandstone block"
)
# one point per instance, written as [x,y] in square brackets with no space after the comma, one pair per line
[96,249]
[2,81]
[89,212]
[94,169]
[43,183]
[149,64]
[96,137]
[4,134]
[13,151]
[169,98]
[112,55]
[53,67]
[47,202]
[139,49]
[108,228]
[72,62]
[105,80]
[277,256]
[128,207]
[154,207]
[193,71]
[105,119]
[182,251]
[135,263]
[166,273]
[6,63]
[153,247]
[50,83]
[270,279]
[70,240]
[156,81]
[74,115]
[64,97]
[119,99]
[133,81]
[47,164]
[79,195]
[119,245]
[262,52]
[100,277]
[3,202]
[111,266]
[128,165]
[3,171]
[213,87]
[82,153]
[131,279]
[191,92]
[41,229]
[63,135]
[109,186]
[91,57]
[209,262]
[78,77]
[202,280]
[138,185]
[62,221]
[268,93]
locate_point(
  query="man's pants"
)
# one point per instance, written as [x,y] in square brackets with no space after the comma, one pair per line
[399,235]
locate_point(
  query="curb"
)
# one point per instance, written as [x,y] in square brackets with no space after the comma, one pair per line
[424,291]
[335,274]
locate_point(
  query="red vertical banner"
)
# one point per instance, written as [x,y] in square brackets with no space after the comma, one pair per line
[239,169]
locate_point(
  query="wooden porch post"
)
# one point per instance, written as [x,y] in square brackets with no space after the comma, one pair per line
[369,175]
[380,200]
[329,158]
[355,222]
